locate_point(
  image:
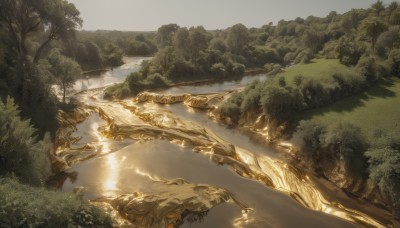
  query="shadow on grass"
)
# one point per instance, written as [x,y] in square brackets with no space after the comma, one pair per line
[348,104]
[381,90]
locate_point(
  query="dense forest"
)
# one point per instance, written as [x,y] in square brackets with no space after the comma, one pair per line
[41,47]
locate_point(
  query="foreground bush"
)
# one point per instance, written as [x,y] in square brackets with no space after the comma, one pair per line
[25,206]
[384,165]
[20,153]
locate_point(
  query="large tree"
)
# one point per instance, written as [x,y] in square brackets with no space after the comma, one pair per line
[238,38]
[65,70]
[165,34]
[53,19]
[373,28]
[56,19]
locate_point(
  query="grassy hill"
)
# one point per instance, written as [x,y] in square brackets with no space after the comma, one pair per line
[377,108]
[317,68]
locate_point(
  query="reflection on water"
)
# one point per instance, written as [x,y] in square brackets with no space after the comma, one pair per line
[111,175]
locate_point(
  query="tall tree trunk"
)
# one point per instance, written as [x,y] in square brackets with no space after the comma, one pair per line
[40,50]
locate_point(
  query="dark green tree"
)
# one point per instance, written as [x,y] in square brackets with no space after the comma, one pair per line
[165,34]
[238,38]
[65,71]
[373,28]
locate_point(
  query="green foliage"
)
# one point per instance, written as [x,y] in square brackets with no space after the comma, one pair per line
[238,37]
[349,51]
[113,55]
[373,28]
[384,165]
[394,59]
[65,71]
[371,69]
[281,103]
[346,140]
[309,136]
[20,153]
[25,206]
[343,142]
[231,108]
[218,69]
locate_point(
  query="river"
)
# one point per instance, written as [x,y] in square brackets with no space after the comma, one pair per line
[171,165]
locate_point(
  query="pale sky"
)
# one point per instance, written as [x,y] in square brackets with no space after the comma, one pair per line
[148,15]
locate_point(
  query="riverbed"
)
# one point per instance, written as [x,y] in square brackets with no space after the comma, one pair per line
[184,169]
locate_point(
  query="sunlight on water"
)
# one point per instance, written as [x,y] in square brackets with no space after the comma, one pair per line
[103,142]
[154,178]
[111,175]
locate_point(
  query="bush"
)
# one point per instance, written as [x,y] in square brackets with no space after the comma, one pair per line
[298,79]
[372,69]
[315,93]
[20,152]
[181,69]
[345,141]
[237,69]
[156,80]
[281,103]
[384,165]
[231,108]
[218,69]
[309,137]
[25,206]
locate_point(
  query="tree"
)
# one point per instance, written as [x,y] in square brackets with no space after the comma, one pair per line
[113,54]
[309,136]
[313,40]
[373,28]
[346,141]
[384,165]
[238,38]
[182,42]
[20,153]
[378,7]
[57,19]
[65,70]
[165,34]
[164,59]
[198,40]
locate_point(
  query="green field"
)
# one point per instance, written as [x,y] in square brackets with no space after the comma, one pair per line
[377,108]
[318,68]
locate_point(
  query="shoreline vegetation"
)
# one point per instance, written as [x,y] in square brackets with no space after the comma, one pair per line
[339,65]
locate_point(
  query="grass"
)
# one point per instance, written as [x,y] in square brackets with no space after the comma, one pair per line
[377,108]
[26,206]
[317,68]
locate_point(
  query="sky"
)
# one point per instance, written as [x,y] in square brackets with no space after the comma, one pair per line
[149,15]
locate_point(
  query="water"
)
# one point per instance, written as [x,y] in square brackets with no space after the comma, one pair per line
[109,77]
[137,164]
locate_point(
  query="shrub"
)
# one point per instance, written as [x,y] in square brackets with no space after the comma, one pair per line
[315,93]
[231,108]
[218,69]
[237,69]
[20,152]
[298,79]
[345,141]
[372,69]
[25,206]
[156,80]
[309,137]
[281,103]
[251,101]
[384,165]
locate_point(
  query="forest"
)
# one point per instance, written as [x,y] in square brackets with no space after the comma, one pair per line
[42,47]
